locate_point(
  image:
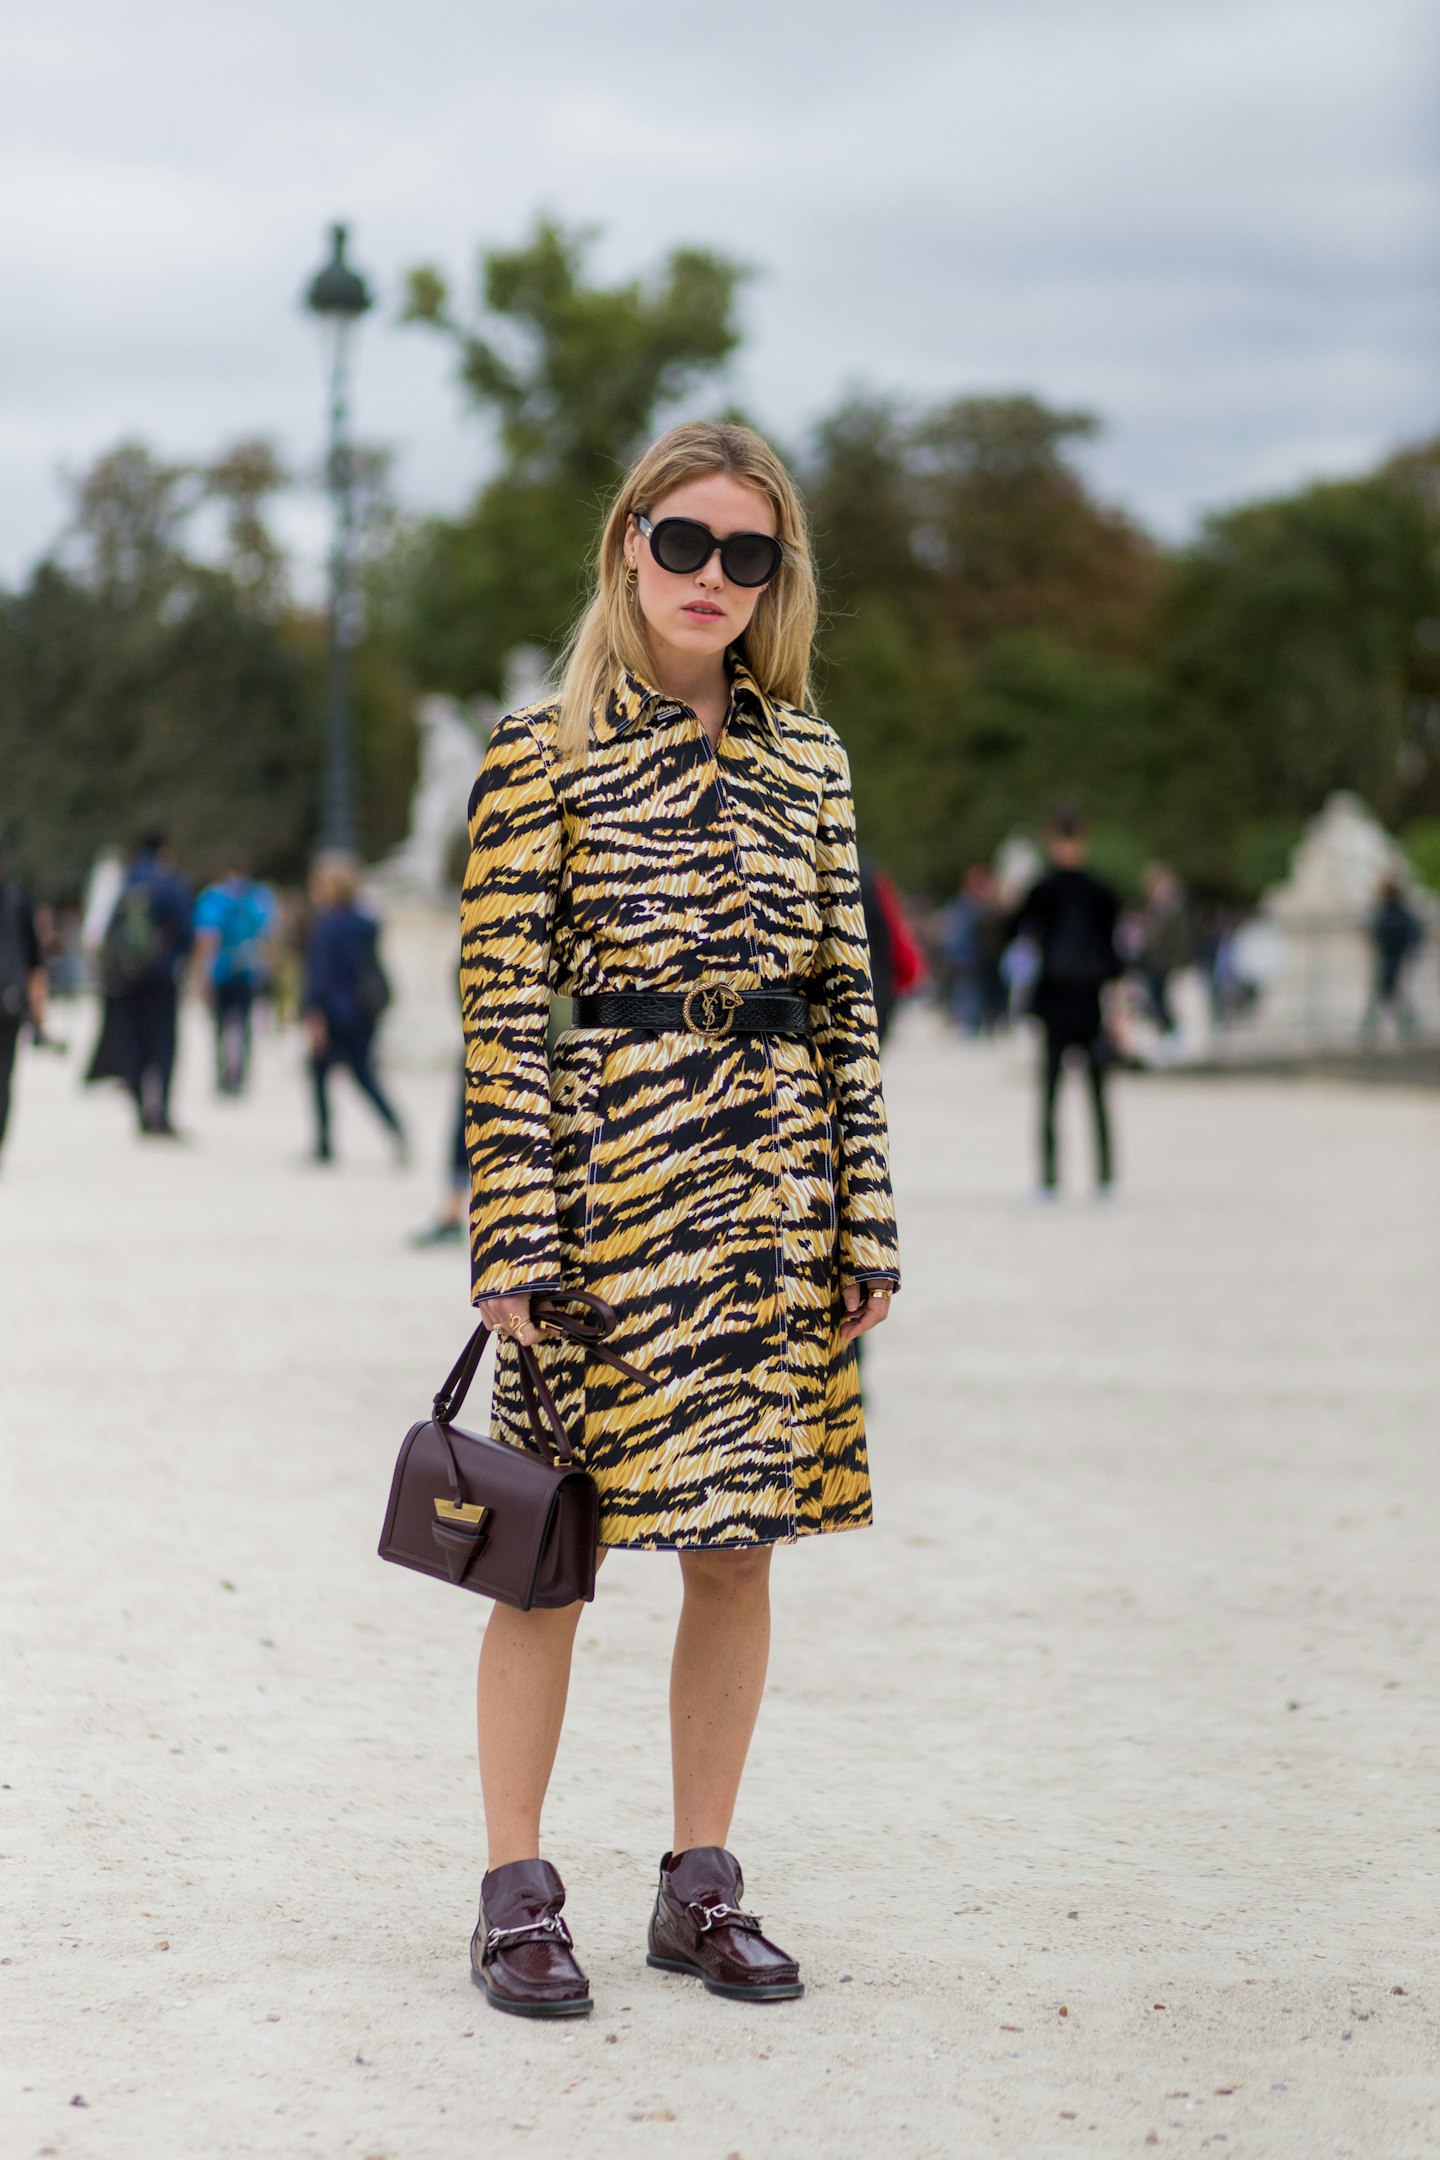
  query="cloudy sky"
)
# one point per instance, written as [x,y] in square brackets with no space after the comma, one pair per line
[1211,221]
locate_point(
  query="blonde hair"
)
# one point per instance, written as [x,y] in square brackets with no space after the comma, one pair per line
[610,635]
[335,878]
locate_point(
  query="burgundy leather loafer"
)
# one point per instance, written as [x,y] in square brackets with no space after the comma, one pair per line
[521,1953]
[698,1927]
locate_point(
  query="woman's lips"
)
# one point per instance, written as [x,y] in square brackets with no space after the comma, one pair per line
[698,607]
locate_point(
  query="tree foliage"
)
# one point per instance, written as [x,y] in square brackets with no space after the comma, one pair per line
[987,645]
[144,683]
[1301,642]
[996,636]
[574,374]
[999,639]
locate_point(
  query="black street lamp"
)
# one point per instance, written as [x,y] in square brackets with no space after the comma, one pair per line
[338,296]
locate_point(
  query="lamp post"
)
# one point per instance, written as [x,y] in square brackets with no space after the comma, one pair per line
[338,296]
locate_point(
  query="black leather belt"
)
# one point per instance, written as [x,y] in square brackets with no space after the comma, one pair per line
[709,1009]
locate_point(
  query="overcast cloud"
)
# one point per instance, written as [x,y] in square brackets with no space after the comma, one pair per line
[1211,221]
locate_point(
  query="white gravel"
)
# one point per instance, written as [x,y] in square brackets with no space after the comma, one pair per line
[1095,1788]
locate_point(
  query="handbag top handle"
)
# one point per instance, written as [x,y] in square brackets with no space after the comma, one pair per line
[550,1311]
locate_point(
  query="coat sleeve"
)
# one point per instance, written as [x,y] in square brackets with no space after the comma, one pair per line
[506,913]
[844,1016]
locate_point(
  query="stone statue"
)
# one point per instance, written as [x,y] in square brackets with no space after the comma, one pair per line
[452,741]
[1315,928]
[416,886]
[1336,870]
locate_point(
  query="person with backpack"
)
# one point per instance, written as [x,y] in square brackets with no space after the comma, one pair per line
[234,919]
[22,976]
[346,991]
[1070,917]
[142,957]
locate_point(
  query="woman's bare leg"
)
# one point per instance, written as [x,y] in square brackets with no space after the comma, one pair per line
[717,1678]
[520,1708]
[520,1694]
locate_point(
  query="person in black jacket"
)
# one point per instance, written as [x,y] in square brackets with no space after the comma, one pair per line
[1396,935]
[1070,916]
[22,976]
[142,957]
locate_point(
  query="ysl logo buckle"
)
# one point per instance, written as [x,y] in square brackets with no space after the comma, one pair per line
[710,1008]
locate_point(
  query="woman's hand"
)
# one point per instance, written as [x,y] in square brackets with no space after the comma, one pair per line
[510,1316]
[866,1305]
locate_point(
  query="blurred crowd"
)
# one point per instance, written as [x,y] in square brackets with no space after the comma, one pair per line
[1024,939]
[146,936]
[982,963]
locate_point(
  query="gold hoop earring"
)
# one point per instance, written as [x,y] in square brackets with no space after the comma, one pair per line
[632,577]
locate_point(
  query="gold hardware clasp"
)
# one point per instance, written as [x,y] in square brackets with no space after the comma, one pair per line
[461,1511]
[710,1008]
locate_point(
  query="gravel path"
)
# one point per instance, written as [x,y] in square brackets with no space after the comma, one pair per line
[1095,1787]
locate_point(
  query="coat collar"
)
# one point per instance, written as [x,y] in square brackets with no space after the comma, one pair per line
[634,705]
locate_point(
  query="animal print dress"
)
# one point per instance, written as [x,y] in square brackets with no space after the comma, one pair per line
[717,1193]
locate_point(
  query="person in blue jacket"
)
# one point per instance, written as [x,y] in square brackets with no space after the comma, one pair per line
[234,921]
[346,991]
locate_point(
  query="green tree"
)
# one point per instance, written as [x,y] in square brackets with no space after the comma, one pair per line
[141,684]
[972,519]
[1300,656]
[575,375]
[989,622]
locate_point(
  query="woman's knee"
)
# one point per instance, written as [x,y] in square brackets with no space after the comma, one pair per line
[727,1574]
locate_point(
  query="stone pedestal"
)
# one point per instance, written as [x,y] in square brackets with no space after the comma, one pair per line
[1311,948]
[414,891]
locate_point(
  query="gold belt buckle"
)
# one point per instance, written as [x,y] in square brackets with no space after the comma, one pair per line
[709,1010]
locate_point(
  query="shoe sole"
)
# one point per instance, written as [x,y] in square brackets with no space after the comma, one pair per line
[581,2006]
[781,1991]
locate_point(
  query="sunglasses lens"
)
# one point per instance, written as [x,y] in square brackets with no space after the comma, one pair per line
[750,558]
[680,545]
[683,545]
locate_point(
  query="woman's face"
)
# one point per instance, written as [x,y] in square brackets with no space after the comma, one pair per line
[698,612]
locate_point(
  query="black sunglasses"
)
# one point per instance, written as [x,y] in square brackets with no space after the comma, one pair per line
[683,545]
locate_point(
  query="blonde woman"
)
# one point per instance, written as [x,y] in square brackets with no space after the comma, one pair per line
[670,842]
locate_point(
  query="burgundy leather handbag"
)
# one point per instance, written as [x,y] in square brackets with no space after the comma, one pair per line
[493,1518]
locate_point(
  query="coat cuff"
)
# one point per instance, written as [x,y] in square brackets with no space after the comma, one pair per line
[498,1282]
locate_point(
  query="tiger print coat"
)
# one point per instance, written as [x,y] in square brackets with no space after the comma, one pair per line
[717,1193]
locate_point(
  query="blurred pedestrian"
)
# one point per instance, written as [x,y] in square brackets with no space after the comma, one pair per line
[897,965]
[1166,938]
[22,976]
[1070,916]
[346,992]
[1396,935]
[973,942]
[142,954]
[234,920]
[448,1228]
